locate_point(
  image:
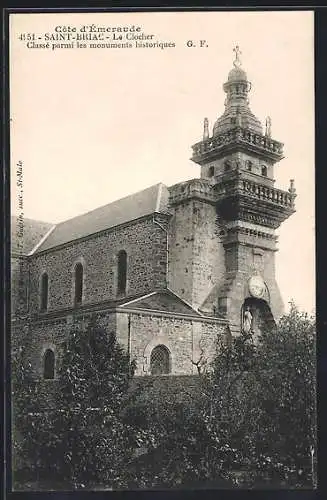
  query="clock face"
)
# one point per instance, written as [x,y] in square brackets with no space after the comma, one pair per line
[257,286]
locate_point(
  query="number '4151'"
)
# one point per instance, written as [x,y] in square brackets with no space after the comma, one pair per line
[25,37]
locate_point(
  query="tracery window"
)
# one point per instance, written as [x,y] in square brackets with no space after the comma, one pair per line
[160,361]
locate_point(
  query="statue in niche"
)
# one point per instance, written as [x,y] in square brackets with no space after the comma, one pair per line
[247,320]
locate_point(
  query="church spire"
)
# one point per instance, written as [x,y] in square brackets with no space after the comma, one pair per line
[237,111]
[238,129]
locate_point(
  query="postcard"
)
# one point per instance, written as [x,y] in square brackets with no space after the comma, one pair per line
[162,250]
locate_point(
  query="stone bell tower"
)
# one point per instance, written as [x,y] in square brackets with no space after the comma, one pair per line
[238,161]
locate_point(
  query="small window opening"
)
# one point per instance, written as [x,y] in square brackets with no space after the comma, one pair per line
[78,283]
[49,364]
[122,271]
[44,291]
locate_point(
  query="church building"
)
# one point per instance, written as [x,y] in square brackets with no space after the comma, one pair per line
[171,270]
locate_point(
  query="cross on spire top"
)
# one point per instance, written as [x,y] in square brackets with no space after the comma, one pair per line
[237,61]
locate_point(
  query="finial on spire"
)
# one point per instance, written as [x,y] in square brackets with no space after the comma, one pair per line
[237,61]
[292,189]
[206,129]
[268,126]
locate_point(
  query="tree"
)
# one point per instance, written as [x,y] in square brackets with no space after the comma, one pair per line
[81,438]
[286,422]
[253,420]
[25,401]
[174,437]
[93,382]
[261,404]
[188,436]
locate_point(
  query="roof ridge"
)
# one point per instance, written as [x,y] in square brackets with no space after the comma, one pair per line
[142,297]
[14,216]
[42,240]
[107,204]
[185,302]
[146,202]
[163,291]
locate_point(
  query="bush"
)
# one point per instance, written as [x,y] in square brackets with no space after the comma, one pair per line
[83,438]
[254,425]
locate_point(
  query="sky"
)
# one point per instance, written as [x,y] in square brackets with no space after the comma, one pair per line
[93,125]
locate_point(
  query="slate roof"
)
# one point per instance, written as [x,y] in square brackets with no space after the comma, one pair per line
[151,200]
[33,232]
[163,300]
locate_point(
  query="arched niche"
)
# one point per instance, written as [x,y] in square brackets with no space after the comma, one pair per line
[262,319]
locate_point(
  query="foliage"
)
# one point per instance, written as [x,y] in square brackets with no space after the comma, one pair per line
[25,399]
[286,416]
[82,437]
[173,436]
[93,382]
[252,420]
[262,403]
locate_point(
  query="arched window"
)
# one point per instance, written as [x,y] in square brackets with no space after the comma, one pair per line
[44,291]
[211,171]
[78,283]
[160,361]
[48,364]
[122,271]
[264,170]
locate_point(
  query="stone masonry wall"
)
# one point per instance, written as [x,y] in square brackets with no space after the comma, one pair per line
[196,255]
[218,167]
[242,261]
[145,244]
[180,266]
[19,285]
[138,333]
[248,258]
[186,340]
[41,335]
[208,252]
